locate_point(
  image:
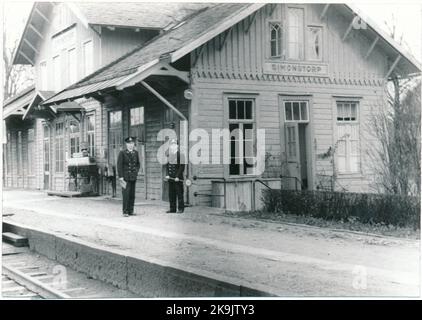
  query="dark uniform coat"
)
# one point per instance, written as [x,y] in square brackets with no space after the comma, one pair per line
[128,165]
[127,168]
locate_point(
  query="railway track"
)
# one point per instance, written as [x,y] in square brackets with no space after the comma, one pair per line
[27,275]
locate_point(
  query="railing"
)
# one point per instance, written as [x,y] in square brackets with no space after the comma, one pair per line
[296,181]
[196,194]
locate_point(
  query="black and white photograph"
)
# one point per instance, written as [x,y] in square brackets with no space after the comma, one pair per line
[210,150]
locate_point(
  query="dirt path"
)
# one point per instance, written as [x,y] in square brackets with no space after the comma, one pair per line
[292,260]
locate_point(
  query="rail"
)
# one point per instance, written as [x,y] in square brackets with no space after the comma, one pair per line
[296,181]
[33,284]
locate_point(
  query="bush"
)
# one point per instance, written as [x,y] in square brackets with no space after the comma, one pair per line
[397,210]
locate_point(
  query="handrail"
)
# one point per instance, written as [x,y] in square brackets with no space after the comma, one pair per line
[296,180]
[195,194]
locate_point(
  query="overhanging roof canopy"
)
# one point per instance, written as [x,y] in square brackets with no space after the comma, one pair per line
[17,105]
[34,109]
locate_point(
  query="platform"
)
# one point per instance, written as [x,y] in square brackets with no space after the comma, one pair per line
[206,253]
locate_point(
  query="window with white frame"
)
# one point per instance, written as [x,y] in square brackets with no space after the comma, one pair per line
[296,111]
[314,48]
[74,137]
[90,133]
[19,153]
[296,33]
[43,75]
[57,73]
[71,64]
[9,156]
[242,136]
[31,151]
[348,151]
[88,57]
[137,129]
[275,39]
[59,147]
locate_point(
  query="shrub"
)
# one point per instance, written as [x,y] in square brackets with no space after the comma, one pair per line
[397,210]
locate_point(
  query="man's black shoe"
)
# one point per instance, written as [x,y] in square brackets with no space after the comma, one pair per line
[170,211]
[180,211]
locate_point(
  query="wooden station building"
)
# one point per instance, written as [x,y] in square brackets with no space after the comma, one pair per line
[311,75]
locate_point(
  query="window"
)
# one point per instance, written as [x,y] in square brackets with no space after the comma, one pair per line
[296,33]
[46,148]
[90,134]
[137,123]
[57,73]
[31,153]
[137,129]
[115,140]
[43,75]
[72,68]
[346,111]
[19,159]
[296,111]
[59,147]
[242,137]
[88,57]
[275,39]
[74,137]
[9,156]
[314,43]
[348,152]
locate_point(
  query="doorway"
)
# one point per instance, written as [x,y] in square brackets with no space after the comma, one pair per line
[295,118]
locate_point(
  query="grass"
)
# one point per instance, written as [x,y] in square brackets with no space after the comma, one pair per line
[351,224]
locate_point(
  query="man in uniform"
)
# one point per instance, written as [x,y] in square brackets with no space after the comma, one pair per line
[128,165]
[175,170]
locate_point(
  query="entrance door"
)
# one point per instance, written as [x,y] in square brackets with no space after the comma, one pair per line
[46,150]
[293,155]
[295,117]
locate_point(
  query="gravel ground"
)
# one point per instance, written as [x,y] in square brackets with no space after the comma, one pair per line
[293,260]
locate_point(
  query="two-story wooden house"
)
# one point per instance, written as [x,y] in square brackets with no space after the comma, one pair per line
[311,75]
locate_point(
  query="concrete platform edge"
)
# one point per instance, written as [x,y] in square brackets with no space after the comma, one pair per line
[141,275]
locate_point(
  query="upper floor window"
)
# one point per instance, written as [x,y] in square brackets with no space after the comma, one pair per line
[88,57]
[72,67]
[296,33]
[275,39]
[314,43]
[57,74]
[43,75]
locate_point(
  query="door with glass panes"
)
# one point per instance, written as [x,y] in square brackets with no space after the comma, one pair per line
[295,119]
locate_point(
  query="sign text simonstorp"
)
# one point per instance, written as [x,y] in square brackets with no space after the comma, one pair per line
[293,68]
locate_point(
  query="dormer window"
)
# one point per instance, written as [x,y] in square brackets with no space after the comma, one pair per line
[275,39]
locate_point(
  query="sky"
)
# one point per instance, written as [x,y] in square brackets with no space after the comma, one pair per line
[407,16]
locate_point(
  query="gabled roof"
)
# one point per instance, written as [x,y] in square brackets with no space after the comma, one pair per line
[146,15]
[141,15]
[194,31]
[38,97]
[16,105]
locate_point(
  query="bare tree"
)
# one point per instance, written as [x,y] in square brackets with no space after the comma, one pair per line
[396,162]
[16,77]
